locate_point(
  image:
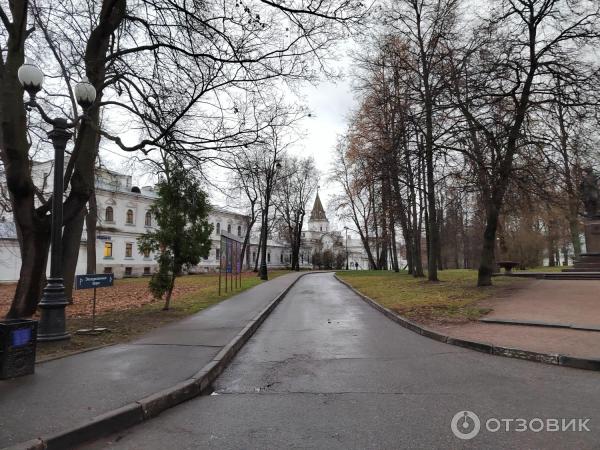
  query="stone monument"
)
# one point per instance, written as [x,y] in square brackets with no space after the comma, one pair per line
[590,193]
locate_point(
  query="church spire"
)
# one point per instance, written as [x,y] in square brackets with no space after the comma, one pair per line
[318,213]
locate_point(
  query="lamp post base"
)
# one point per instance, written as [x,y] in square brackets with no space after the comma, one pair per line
[52,324]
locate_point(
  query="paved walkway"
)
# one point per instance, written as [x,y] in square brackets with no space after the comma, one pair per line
[560,302]
[74,389]
[327,371]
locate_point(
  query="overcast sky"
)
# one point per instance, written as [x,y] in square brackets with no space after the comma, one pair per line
[331,104]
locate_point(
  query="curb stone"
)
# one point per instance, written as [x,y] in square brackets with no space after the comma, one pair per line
[152,405]
[580,363]
[34,444]
[107,423]
[546,358]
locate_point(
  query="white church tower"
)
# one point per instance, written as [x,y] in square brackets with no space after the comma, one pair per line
[318,220]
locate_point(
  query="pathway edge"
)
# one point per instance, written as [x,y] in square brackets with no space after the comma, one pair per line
[483,347]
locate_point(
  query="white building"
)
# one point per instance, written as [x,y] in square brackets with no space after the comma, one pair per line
[124,215]
[320,236]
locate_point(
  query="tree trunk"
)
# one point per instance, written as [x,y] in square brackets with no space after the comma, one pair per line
[247,239]
[170,292]
[574,232]
[572,197]
[91,221]
[394,249]
[438,248]
[71,243]
[432,227]
[417,233]
[34,256]
[366,246]
[258,252]
[263,271]
[551,252]
[296,258]
[373,208]
[487,264]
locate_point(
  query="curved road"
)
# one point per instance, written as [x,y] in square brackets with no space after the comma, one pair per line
[327,371]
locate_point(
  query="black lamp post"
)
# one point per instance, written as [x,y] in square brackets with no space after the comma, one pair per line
[346,228]
[52,324]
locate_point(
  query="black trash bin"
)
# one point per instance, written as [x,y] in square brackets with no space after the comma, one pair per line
[17,347]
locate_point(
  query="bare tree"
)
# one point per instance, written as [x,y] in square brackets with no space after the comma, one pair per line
[426,26]
[356,202]
[299,180]
[500,76]
[133,55]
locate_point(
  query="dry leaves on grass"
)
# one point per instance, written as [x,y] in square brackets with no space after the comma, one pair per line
[125,295]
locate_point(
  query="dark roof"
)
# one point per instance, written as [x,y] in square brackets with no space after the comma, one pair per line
[318,213]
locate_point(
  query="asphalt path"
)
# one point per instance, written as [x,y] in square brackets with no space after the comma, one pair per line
[327,371]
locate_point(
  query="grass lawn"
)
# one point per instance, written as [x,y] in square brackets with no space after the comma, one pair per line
[453,299]
[128,310]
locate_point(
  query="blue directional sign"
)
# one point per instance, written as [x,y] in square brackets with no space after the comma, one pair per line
[95,280]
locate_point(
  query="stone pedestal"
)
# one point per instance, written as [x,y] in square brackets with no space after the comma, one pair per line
[592,235]
[590,260]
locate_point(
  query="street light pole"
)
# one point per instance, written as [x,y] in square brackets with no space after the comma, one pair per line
[52,324]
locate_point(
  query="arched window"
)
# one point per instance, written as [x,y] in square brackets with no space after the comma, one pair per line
[148,220]
[239,231]
[129,219]
[108,214]
[229,228]
[218,228]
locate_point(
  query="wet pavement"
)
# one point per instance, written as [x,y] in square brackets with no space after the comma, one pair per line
[327,371]
[72,390]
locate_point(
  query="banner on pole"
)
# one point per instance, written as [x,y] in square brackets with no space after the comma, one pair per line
[230,259]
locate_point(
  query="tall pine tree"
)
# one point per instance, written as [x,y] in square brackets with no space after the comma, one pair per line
[183,233]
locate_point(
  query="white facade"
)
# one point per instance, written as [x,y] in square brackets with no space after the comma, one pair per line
[124,215]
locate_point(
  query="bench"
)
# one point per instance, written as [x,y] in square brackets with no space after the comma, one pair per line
[508,266]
